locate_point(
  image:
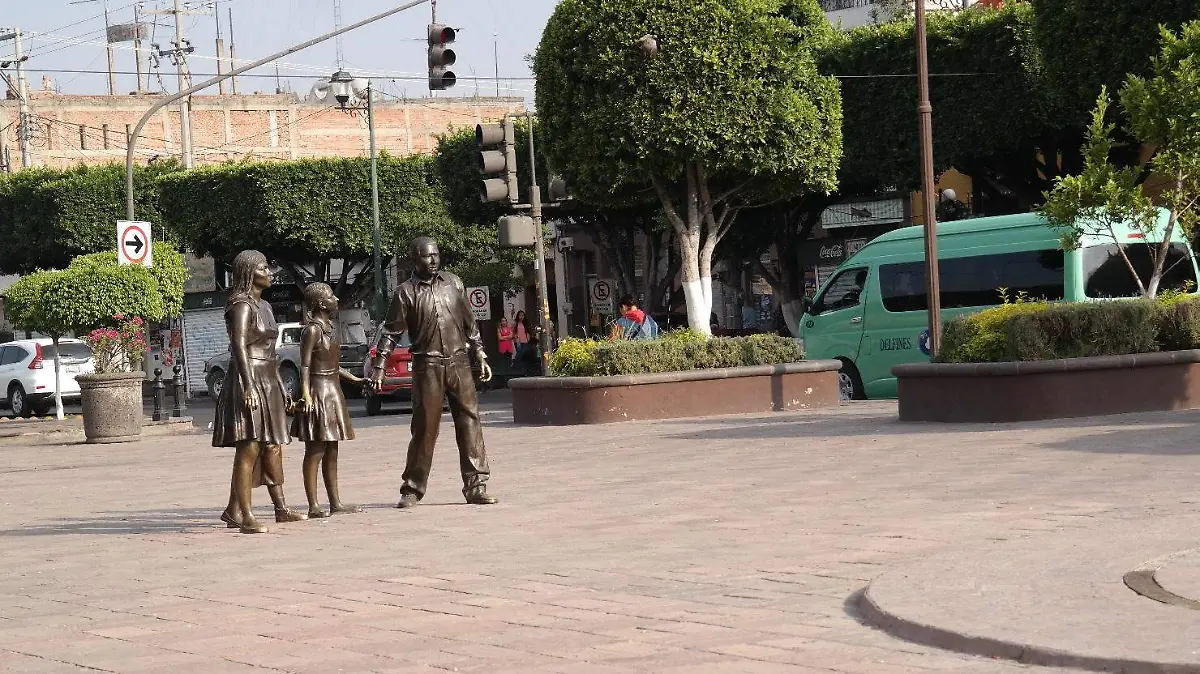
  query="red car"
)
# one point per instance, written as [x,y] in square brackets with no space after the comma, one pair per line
[397,376]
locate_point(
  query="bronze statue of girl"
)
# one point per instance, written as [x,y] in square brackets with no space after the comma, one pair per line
[322,419]
[252,408]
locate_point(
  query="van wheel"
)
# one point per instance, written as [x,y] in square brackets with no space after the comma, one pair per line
[850,386]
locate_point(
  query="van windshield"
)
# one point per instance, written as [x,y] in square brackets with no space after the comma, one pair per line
[1107,275]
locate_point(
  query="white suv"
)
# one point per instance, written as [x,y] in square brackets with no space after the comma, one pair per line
[27,372]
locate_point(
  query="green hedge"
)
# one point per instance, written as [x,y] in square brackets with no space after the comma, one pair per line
[1040,331]
[674,352]
[48,217]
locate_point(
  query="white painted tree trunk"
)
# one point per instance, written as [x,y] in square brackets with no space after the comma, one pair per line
[693,284]
[58,406]
[792,311]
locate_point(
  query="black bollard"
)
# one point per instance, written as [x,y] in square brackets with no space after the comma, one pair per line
[180,404]
[159,413]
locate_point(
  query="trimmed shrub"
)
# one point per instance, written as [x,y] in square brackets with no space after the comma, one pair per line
[1179,325]
[1084,329]
[1039,331]
[673,352]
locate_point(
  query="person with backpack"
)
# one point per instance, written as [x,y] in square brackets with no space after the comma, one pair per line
[633,323]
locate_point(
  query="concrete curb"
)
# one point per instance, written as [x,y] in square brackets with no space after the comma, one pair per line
[877,616]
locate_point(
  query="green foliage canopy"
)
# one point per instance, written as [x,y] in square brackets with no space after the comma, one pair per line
[1086,44]
[987,103]
[732,87]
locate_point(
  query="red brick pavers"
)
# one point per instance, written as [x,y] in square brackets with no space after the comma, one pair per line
[712,545]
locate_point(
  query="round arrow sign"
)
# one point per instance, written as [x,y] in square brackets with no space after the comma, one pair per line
[135,244]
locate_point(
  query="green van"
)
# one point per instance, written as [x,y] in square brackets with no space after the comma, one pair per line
[871,313]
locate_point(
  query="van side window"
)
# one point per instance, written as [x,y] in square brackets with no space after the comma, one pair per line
[975,281]
[843,292]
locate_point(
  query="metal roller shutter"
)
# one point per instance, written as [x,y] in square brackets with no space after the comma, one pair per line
[204,336]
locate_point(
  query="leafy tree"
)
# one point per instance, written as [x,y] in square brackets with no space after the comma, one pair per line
[47,217]
[29,306]
[1161,109]
[88,294]
[726,110]
[1087,44]
[988,103]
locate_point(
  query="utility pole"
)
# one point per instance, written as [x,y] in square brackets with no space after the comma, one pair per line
[179,57]
[220,48]
[112,59]
[539,253]
[23,95]
[232,55]
[22,91]
[137,47]
[496,60]
[185,107]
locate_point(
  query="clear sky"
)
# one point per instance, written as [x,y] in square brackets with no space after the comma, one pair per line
[68,35]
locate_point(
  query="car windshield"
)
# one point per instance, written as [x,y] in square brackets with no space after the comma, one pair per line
[291,336]
[76,352]
[1106,273]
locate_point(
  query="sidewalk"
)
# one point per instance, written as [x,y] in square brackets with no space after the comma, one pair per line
[732,544]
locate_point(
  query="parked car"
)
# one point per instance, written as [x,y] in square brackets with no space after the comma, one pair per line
[287,352]
[397,376]
[27,373]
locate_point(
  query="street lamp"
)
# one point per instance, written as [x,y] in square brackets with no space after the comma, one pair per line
[928,196]
[341,86]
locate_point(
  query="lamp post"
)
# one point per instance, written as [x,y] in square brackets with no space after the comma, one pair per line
[341,85]
[928,196]
[137,130]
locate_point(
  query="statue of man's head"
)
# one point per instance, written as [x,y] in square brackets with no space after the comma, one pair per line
[425,257]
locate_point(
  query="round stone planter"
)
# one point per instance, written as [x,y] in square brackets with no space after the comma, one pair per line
[112,406]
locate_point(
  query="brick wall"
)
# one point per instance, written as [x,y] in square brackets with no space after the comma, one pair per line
[235,127]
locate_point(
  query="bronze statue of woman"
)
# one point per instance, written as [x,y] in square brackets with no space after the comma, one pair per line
[252,408]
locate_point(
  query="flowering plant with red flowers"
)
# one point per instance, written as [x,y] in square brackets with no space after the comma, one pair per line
[120,348]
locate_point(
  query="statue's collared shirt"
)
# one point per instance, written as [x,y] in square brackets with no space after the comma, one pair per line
[436,315]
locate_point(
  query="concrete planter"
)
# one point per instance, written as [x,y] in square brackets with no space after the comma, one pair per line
[566,401]
[112,406]
[1048,389]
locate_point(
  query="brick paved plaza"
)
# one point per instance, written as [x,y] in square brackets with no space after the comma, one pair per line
[714,545]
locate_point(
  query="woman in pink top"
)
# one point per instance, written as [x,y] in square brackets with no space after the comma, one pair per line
[521,334]
[504,334]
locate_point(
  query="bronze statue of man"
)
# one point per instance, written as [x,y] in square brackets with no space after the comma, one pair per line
[432,306]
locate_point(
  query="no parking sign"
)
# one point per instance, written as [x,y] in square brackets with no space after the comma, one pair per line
[481,303]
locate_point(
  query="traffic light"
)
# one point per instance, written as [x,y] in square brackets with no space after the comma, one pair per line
[517,231]
[497,161]
[441,57]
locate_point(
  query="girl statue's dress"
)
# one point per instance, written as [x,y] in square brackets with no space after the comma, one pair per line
[327,419]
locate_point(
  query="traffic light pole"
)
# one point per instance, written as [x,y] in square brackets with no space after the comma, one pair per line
[539,247]
[380,294]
